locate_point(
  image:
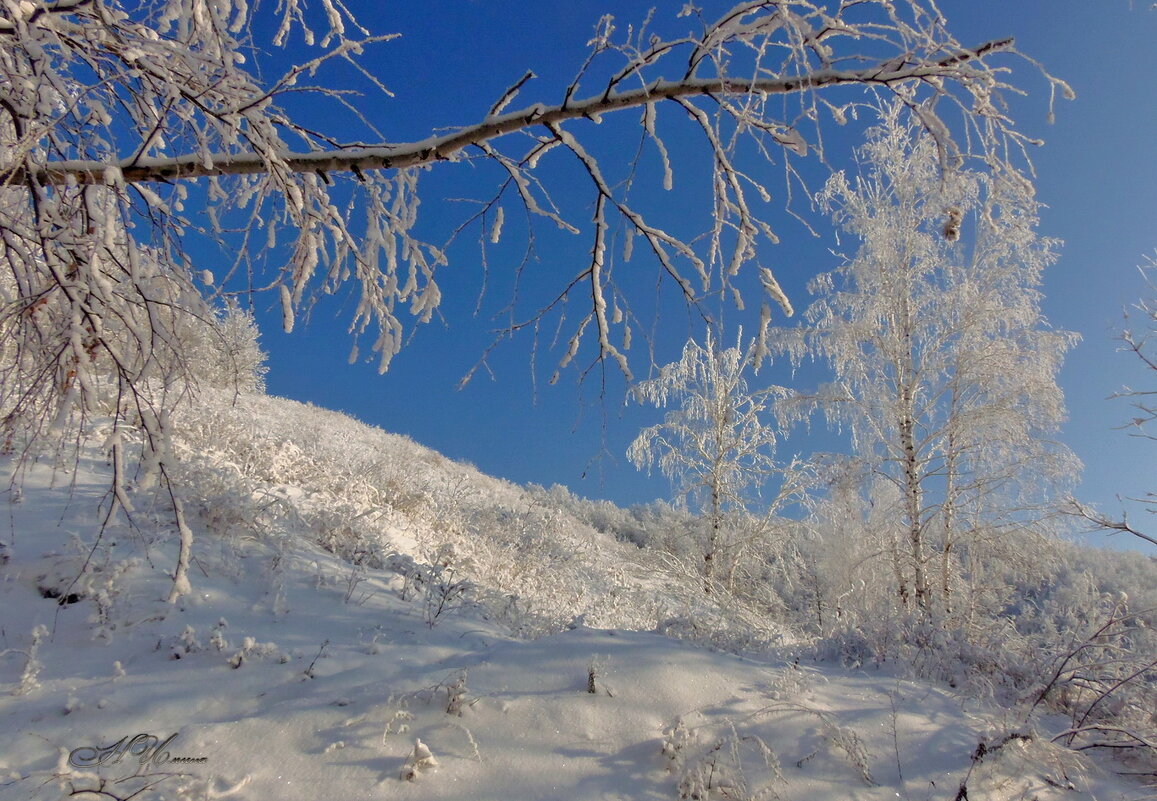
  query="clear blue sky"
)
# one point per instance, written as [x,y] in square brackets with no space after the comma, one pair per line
[1097,175]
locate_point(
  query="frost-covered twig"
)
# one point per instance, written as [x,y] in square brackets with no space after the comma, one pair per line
[308,673]
[1102,521]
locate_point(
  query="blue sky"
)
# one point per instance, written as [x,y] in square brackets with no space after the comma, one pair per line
[1096,175]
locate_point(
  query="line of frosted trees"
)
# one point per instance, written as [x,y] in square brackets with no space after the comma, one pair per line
[930,540]
[941,371]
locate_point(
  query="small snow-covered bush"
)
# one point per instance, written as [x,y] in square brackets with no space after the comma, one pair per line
[732,629]
[439,583]
[719,759]
[723,765]
[419,761]
[251,648]
[32,664]
[457,696]
[187,643]
[222,348]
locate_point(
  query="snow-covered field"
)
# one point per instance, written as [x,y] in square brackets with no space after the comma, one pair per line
[289,673]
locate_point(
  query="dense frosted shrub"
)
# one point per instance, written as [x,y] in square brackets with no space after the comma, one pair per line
[222,349]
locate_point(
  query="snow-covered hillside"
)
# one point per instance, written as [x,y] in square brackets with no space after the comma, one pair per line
[369,620]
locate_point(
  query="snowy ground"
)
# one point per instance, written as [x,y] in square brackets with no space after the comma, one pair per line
[286,676]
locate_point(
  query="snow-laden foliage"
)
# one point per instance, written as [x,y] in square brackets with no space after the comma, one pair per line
[659,525]
[717,446]
[120,352]
[1140,337]
[1070,641]
[131,347]
[944,371]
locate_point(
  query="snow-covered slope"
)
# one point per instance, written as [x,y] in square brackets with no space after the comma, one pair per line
[267,467]
[289,673]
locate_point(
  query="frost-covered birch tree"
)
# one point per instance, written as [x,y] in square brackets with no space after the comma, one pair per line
[716,446]
[944,369]
[126,125]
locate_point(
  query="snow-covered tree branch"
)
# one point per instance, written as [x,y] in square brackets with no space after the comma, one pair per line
[138,169]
